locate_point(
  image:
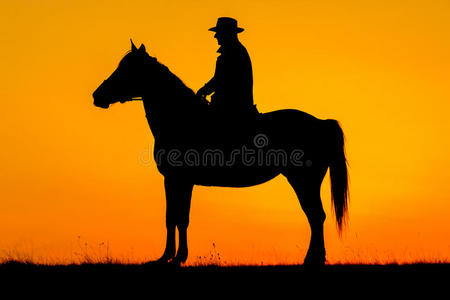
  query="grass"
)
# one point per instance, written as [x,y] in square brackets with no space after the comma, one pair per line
[101,255]
[203,276]
[117,267]
[96,264]
[92,271]
[104,276]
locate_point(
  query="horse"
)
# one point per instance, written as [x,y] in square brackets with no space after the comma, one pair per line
[195,146]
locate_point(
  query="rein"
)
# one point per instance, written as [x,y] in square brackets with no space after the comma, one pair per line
[131,99]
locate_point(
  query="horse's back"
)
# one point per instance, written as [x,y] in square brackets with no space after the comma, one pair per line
[289,117]
[282,128]
[290,127]
[283,113]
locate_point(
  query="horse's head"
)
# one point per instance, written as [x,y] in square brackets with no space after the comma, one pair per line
[127,81]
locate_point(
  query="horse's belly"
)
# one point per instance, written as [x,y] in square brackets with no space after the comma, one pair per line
[235,177]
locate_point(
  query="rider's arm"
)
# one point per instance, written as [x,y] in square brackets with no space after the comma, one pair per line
[210,86]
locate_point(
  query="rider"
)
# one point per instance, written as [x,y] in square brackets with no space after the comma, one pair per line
[232,83]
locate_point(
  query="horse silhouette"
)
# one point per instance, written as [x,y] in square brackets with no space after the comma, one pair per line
[196,147]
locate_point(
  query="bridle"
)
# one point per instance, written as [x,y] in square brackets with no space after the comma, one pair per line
[125,100]
[131,99]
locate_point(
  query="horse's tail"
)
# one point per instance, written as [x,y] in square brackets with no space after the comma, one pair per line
[338,172]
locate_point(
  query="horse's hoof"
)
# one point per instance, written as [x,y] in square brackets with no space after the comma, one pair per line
[155,263]
[314,261]
[163,261]
[174,263]
[178,260]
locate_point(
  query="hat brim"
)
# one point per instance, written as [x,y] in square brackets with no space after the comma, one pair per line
[236,30]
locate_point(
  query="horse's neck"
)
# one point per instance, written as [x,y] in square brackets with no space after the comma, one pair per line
[169,107]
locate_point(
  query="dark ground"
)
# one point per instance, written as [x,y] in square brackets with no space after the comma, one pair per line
[103,279]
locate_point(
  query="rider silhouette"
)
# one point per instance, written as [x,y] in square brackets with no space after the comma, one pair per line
[232,83]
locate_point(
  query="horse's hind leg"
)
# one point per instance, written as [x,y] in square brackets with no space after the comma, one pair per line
[308,193]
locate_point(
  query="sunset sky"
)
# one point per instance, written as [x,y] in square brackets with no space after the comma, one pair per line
[75,179]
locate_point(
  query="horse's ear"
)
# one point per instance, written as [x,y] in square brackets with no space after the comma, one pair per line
[142,48]
[133,47]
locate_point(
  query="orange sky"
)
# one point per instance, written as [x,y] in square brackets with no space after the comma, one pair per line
[71,173]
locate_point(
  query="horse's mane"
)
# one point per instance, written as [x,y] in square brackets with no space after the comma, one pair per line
[168,83]
[177,86]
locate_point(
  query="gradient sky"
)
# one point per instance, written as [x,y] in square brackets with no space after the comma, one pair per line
[74,176]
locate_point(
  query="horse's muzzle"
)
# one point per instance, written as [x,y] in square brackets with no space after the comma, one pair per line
[100,101]
[101,104]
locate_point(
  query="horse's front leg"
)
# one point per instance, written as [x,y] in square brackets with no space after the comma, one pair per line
[178,195]
[171,212]
[169,251]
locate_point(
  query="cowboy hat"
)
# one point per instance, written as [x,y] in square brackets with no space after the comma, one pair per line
[225,24]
